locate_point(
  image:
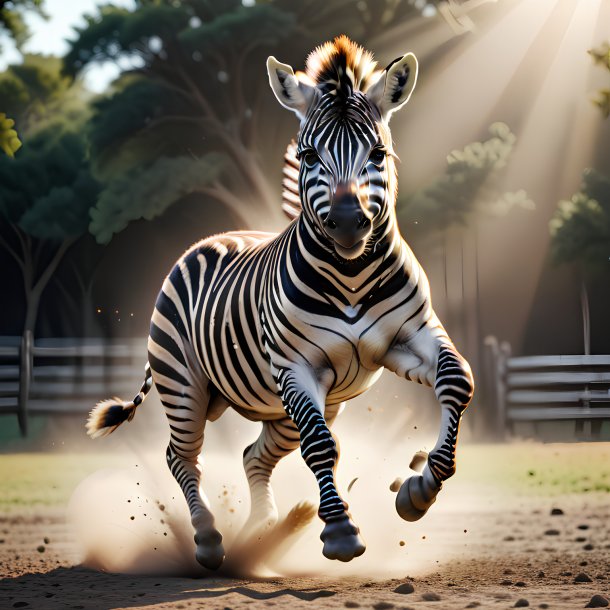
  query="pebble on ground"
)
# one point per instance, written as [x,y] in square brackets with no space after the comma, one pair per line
[597,601]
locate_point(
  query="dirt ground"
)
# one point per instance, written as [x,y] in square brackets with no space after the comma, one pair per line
[530,541]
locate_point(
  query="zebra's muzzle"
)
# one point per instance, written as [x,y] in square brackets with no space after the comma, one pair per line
[347,224]
[350,253]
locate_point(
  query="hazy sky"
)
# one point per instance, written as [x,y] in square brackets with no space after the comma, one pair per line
[49,36]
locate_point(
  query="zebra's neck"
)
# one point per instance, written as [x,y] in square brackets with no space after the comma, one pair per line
[314,256]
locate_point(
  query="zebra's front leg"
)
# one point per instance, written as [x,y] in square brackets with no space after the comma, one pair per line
[439,364]
[304,404]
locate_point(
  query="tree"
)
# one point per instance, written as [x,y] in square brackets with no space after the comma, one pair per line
[601,56]
[580,234]
[193,93]
[12,23]
[189,102]
[12,20]
[45,197]
[9,142]
[35,91]
[46,191]
[470,186]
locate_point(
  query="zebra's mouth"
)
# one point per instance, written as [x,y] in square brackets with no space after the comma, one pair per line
[350,253]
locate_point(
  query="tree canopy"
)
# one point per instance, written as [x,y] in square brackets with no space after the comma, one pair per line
[35,91]
[9,142]
[12,18]
[193,86]
[601,57]
[470,184]
[580,228]
[47,189]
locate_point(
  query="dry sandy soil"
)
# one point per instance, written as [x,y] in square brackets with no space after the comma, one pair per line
[533,538]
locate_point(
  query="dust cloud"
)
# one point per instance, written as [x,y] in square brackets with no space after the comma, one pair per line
[135,519]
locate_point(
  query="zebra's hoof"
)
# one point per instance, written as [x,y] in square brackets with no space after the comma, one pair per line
[341,540]
[416,495]
[209,553]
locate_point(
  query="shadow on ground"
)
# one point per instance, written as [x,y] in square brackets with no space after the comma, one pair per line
[79,587]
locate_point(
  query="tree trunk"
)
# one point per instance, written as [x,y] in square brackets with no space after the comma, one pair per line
[33,291]
[32,298]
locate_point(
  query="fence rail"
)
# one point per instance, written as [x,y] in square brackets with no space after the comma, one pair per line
[55,376]
[549,388]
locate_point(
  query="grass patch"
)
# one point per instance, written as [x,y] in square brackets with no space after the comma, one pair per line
[538,469]
[33,480]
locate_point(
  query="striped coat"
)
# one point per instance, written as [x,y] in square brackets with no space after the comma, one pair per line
[286,328]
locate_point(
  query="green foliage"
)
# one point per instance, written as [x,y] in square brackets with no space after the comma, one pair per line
[469,184]
[35,91]
[128,128]
[580,228]
[12,18]
[47,189]
[117,32]
[9,142]
[601,57]
[197,85]
[148,192]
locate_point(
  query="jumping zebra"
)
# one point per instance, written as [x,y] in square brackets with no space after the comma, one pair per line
[284,328]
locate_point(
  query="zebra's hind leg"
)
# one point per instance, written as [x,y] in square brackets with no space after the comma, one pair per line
[187,420]
[277,439]
[209,552]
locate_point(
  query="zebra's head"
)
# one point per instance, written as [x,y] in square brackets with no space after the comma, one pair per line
[347,174]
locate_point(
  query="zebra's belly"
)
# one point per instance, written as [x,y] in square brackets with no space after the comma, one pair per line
[251,388]
[357,382]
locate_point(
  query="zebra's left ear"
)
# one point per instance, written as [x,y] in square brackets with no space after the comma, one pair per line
[291,92]
[394,86]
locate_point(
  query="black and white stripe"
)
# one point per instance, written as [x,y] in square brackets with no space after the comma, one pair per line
[284,328]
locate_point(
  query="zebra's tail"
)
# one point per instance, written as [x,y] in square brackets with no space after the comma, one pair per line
[108,415]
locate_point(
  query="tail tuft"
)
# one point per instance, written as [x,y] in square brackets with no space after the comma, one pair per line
[108,415]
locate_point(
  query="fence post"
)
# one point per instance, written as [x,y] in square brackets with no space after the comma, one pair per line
[504,355]
[25,376]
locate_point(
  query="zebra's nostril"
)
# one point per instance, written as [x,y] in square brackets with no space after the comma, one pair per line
[363,221]
[331,224]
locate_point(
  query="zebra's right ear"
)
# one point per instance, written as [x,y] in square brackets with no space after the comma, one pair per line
[291,92]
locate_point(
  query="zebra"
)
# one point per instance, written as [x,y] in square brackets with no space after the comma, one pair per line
[285,328]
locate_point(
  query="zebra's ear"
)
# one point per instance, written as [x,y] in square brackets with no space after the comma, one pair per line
[394,86]
[291,92]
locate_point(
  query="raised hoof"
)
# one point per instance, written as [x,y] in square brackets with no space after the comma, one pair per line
[341,540]
[209,553]
[416,495]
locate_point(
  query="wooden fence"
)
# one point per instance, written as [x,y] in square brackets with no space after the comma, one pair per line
[66,376]
[549,388]
[53,376]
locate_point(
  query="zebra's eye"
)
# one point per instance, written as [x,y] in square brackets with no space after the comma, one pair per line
[310,157]
[377,156]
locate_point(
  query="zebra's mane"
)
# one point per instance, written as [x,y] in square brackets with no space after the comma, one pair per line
[341,65]
[291,201]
